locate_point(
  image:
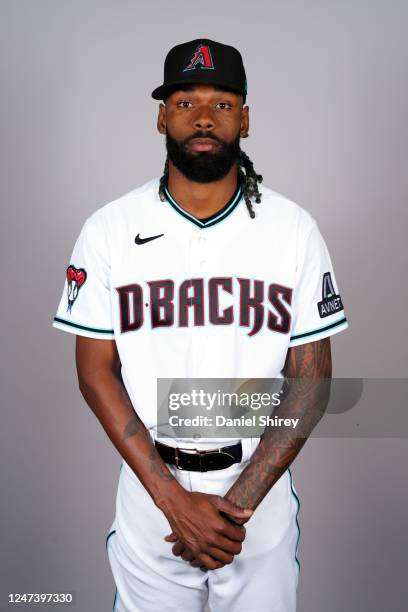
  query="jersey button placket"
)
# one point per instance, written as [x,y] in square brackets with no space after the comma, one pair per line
[197,266]
[202,250]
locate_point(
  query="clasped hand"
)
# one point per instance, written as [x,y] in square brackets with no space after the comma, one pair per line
[207,530]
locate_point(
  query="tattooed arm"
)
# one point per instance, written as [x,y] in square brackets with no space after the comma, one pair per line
[308,371]
[101,385]
[195,517]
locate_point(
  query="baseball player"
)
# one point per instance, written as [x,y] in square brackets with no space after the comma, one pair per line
[202,272]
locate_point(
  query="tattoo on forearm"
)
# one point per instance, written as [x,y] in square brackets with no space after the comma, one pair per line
[133,428]
[157,466]
[310,365]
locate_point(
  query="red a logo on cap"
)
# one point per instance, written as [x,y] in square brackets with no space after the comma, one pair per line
[201,59]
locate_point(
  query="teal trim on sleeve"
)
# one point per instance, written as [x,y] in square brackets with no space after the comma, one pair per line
[84,327]
[319,329]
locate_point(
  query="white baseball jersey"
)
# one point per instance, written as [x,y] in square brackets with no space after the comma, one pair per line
[220,298]
[223,298]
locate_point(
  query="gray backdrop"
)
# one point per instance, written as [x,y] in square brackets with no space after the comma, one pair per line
[328,97]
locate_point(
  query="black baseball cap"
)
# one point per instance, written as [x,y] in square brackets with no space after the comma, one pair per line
[202,61]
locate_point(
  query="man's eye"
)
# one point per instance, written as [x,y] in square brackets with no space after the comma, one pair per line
[224,105]
[184,104]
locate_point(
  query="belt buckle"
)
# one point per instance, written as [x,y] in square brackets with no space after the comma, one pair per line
[192,451]
[176,458]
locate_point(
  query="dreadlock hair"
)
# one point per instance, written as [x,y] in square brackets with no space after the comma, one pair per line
[249,181]
[247,176]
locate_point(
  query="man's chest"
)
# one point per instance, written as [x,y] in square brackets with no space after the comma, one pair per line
[164,277]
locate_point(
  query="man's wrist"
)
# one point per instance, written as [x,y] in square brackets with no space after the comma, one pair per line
[169,495]
[234,497]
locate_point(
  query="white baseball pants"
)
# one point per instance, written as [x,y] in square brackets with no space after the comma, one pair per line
[149,578]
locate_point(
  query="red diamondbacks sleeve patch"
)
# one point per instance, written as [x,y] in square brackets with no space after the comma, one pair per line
[76,278]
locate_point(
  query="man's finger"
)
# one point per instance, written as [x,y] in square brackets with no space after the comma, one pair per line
[171,537]
[224,505]
[208,563]
[178,549]
[228,546]
[187,555]
[199,564]
[221,555]
[233,532]
[196,562]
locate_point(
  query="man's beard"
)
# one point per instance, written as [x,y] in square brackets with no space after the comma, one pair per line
[203,166]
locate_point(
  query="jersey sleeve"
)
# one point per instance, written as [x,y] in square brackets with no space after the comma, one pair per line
[85,305]
[318,309]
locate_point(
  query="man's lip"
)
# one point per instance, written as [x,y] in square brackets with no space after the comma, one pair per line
[202,144]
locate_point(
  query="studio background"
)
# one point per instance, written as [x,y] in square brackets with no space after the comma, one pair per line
[328,98]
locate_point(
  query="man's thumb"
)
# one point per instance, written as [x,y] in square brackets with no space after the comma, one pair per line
[225,505]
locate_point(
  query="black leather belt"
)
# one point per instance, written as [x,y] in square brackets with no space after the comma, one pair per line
[195,460]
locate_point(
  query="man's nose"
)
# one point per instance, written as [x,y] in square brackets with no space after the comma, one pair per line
[204,119]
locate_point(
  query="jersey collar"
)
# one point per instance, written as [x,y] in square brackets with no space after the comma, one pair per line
[213,219]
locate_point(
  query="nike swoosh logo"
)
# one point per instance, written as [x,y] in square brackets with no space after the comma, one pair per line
[140,240]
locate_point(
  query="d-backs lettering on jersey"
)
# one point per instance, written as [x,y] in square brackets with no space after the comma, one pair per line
[193,294]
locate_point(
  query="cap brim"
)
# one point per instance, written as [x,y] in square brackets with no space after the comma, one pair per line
[162,92]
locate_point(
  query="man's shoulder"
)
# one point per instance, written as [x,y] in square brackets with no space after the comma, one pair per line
[275,205]
[131,201]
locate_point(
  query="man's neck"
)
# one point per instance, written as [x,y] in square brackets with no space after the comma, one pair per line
[202,199]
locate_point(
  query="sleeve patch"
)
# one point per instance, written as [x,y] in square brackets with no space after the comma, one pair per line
[75,278]
[331,302]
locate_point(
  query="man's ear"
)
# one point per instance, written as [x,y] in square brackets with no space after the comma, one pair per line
[161,119]
[244,129]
